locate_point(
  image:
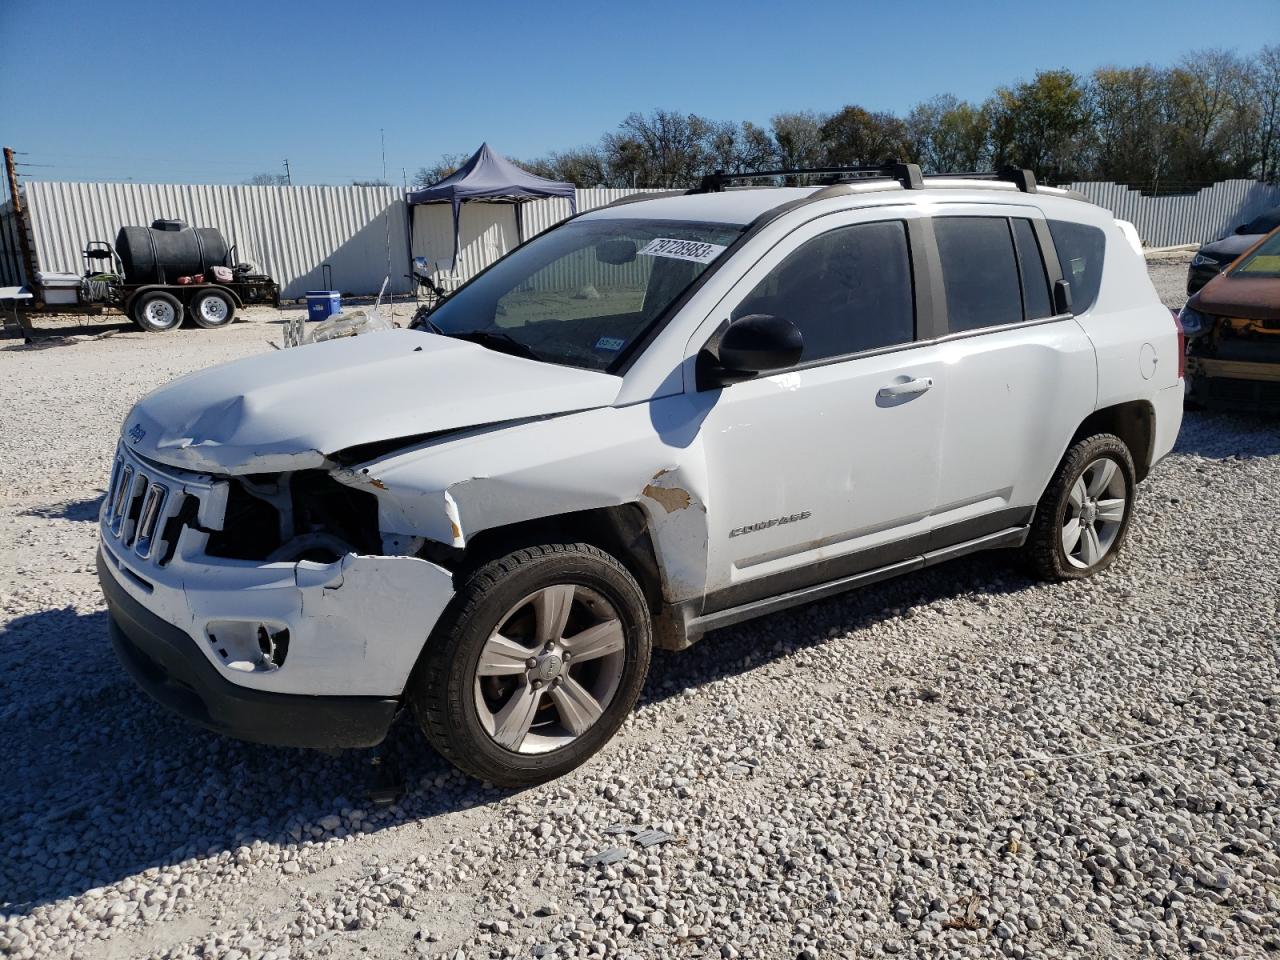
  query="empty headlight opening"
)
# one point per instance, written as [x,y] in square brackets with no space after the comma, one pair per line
[287,517]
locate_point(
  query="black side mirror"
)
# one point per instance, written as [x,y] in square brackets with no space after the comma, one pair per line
[752,345]
[616,252]
[1062,296]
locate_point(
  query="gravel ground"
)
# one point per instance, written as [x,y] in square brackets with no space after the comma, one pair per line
[960,763]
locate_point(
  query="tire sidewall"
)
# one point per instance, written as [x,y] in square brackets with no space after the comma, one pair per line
[205,295]
[461,639]
[138,311]
[1089,452]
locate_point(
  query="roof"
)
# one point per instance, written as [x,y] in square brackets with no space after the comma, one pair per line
[731,206]
[744,205]
[489,175]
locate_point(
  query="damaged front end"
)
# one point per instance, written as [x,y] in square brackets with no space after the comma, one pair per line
[1232,362]
[283,583]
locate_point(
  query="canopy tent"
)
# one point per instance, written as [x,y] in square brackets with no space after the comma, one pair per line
[491,177]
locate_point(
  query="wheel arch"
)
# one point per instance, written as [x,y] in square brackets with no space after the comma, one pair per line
[622,530]
[1134,422]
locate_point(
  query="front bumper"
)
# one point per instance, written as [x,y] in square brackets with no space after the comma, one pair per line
[169,665]
[1235,384]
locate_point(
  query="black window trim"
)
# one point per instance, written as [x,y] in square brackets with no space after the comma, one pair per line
[923,299]
[926,278]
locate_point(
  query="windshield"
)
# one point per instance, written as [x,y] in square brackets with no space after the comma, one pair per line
[581,293]
[1264,261]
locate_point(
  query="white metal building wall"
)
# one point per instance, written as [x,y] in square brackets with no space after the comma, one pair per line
[1191,218]
[289,232]
[488,231]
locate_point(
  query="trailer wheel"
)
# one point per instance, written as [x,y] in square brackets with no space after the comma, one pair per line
[212,309]
[157,312]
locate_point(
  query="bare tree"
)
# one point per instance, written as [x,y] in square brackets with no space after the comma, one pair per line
[446,165]
[797,139]
[268,180]
[1265,73]
[1203,91]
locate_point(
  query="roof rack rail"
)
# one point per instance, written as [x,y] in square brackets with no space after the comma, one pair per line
[1025,180]
[907,174]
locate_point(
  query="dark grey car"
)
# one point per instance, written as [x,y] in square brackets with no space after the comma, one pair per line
[1211,259]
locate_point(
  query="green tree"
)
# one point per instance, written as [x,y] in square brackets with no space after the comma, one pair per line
[947,134]
[856,136]
[1042,125]
[1127,108]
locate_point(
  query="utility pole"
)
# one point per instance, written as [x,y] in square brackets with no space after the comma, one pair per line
[20,215]
[288,174]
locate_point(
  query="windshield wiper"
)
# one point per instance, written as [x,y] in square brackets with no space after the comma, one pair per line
[497,340]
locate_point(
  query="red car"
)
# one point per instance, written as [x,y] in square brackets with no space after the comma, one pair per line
[1233,333]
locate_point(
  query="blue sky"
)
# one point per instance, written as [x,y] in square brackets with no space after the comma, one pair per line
[215,92]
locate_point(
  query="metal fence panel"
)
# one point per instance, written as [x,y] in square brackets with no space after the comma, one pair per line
[289,232]
[362,233]
[1198,217]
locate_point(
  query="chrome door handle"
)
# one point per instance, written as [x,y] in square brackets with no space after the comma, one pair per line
[910,387]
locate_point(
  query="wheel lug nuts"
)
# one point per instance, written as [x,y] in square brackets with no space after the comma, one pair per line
[537,684]
[531,662]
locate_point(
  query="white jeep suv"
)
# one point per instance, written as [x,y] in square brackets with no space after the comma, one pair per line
[653,420]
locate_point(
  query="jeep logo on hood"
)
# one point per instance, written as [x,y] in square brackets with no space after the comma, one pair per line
[136,432]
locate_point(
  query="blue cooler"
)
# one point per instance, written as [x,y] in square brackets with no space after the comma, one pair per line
[322,304]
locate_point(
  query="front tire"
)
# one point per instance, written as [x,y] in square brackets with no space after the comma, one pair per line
[535,665]
[1083,518]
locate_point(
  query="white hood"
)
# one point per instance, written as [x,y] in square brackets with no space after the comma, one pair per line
[287,410]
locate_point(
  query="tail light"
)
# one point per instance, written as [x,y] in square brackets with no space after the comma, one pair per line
[1182,344]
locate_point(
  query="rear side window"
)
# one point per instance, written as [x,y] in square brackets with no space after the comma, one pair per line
[848,291]
[1080,252]
[1036,302]
[979,272]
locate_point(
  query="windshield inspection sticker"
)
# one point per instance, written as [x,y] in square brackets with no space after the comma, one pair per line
[612,344]
[683,250]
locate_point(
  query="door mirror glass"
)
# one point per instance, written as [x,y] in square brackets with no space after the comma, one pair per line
[616,252]
[752,345]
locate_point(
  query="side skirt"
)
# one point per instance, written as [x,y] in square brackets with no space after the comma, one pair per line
[696,626]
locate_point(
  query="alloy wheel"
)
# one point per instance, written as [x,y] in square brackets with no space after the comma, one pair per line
[1095,513]
[550,669]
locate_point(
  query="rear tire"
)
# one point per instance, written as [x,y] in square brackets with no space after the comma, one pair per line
[534,666]
[212,309]
[1083,517]
[157,312]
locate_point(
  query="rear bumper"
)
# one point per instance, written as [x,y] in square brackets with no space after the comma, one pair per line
[169,666]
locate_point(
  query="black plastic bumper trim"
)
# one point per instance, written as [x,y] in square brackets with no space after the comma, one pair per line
[169,666]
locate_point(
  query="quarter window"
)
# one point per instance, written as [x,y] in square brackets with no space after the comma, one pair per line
[1080,251]
[848,291]
[979,272]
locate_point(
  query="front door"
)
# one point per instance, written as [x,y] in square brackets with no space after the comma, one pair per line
[830,468]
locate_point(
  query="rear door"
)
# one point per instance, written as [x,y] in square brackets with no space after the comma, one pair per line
[1020,377]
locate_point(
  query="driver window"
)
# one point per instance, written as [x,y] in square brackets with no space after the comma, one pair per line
[848,290]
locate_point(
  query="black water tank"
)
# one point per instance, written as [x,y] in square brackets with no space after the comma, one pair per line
[169,249]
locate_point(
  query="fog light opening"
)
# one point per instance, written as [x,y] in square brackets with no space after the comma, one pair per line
[249,646]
